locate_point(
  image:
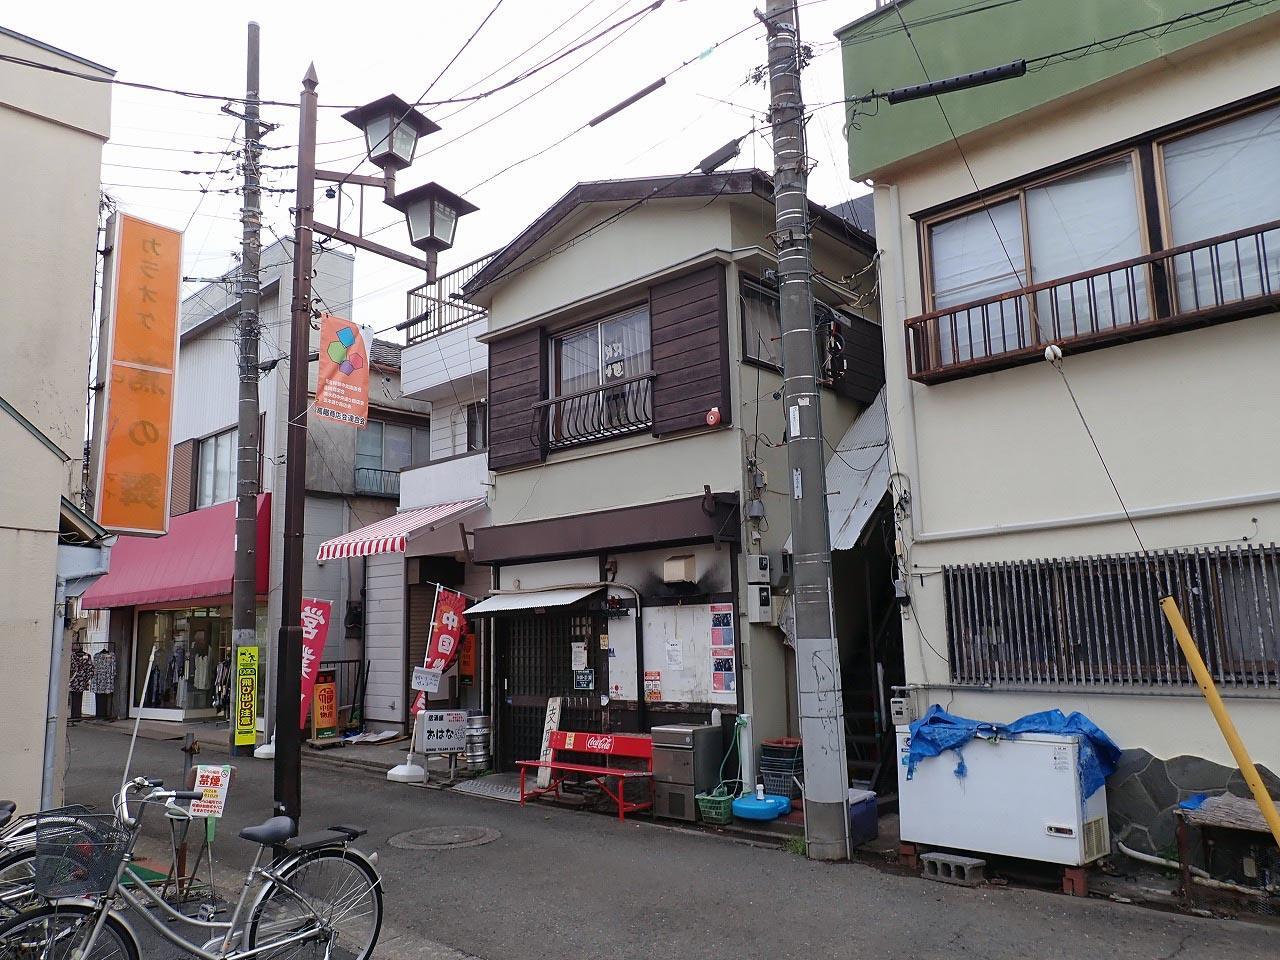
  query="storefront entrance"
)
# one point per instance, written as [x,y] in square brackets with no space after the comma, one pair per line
[536,661]
[192,671]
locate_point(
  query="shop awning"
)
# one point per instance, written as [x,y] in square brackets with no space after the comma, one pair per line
[533,600]
[389,535]
[195,560]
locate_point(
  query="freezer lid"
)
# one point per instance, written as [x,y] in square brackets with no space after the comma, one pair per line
[677,734]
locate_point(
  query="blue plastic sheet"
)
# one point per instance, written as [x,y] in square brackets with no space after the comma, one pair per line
[938,731]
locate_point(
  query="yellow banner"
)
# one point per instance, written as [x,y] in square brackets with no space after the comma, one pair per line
[246,704]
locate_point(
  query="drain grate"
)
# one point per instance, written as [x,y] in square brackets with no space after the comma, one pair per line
[444,838]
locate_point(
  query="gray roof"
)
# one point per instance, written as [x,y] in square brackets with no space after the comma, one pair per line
[860,211]
[385,353]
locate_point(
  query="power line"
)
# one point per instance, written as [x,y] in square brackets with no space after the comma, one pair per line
[466,43]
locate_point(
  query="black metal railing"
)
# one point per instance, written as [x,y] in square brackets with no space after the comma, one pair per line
[1097,620]
[613,410]
[377,483]
[350,680]
[435,308]
[1218,278]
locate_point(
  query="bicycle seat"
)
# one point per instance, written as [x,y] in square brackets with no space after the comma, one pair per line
[271,832]
[6,811]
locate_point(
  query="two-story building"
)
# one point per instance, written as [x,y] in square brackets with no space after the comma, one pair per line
[173,593]
[1121,201]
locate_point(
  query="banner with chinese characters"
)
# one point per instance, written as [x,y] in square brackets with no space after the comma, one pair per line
[315,631]
[246,703]
[213,782]
[324,711]
[342,384]
[448,624]
[138,359]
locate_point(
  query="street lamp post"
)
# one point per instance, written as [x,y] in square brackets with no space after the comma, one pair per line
[391,129]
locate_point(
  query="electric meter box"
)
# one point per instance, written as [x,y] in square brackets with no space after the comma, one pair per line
[758,568]
[760,603]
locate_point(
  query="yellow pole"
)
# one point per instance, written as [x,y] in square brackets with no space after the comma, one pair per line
[1225,724]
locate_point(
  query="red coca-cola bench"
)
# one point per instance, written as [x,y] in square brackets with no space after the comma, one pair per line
[606,745]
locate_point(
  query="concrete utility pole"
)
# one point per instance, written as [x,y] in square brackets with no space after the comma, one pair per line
[288,766]
[826,779]
[244,584]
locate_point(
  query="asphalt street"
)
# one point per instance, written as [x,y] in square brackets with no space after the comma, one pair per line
[563,883]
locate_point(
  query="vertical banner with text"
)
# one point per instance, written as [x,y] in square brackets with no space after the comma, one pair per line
[138,360]
[246,702]
[342,383]
[447,628]
[315,631]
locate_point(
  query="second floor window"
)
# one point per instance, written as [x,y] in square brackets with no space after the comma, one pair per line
[216,468]
[477,426]
[595,370]
[761,324]
[391,446]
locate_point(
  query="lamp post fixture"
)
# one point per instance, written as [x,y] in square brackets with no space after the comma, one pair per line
[391,129]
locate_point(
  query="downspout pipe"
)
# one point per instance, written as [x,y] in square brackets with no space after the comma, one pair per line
[54,711]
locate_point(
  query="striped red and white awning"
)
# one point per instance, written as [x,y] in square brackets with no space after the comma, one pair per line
[389,535]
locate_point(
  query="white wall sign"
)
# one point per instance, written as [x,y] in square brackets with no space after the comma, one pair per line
[425,679]
[214,781]
[442,731]
[579,655]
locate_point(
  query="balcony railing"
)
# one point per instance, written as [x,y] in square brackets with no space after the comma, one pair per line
[435,308]
[377,483]
[619,408]
[1225,277]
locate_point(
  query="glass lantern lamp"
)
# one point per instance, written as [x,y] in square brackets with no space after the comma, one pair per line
[432,213]
[391,130]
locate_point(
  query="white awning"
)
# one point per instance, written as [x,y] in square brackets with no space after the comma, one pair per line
[389,535]
[533,600]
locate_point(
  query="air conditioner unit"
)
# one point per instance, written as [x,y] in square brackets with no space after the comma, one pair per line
[1018,798]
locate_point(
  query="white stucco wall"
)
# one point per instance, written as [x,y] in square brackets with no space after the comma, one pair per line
[1185,421]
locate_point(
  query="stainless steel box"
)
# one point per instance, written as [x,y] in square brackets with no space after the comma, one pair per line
[675,801]
[686,761]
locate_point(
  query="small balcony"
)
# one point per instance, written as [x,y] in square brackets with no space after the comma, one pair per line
[1228,277]
[372,482]
[600,413]
[435,308]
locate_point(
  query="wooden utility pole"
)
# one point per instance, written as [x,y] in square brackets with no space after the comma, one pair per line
[244,584]
[826,778]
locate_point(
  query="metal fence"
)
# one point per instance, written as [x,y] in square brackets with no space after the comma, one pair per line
[621,407]
[350,680]
[1097,620]
[438,307]
[378,483]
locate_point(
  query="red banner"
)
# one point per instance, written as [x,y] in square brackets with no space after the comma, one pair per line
[446,632]
[315,631]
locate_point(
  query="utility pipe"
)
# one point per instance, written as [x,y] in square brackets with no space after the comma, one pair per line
[1197,875]
[55,694]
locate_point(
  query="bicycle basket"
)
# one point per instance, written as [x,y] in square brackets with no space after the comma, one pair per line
[79,857]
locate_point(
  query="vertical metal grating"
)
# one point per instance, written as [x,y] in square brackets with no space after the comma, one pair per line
[1097,619]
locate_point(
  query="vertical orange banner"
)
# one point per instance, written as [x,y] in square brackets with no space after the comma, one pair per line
[342,385]
[140,358]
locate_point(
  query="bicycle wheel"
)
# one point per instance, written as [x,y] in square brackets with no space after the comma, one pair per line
[18,882]
[59,932]
[335,887]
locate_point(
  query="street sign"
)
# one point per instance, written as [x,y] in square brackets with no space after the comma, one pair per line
[584,679]
[442,731]
[246,696]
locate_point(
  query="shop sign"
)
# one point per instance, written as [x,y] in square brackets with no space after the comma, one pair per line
[442,731]
[214,782]
[584,679]
[467,660]
[448,624]
[138,350]
[551,723]
[324,709]
[342,383]
[246,696]
[315,631]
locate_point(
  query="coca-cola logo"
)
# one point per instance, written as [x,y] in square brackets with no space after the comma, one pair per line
[600,744]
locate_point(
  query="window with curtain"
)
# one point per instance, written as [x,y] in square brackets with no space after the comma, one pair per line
[477,426]
[761,324]
[392,446]
[216,468]
[1218,180]
[605,354]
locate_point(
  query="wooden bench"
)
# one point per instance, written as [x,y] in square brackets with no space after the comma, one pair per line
[607,745]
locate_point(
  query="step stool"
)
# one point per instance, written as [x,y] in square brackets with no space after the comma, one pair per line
[952,868]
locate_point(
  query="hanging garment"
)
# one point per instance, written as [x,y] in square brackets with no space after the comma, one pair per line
[81,671]
[222,685]
[104,672]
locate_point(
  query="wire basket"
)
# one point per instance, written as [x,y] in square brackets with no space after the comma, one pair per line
[717,806]
[780,784]
[79,857]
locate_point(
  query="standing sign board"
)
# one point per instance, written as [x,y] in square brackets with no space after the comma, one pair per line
[324,710]
[246,703]
[442,731]
[551,723]
[138,360]
[342,384]
[315,632]
[213,781]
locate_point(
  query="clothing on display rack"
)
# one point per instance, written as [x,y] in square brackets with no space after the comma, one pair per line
[104,672]
[81,670]
[222,685]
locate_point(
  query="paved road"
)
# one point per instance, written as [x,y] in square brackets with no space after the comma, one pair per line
[559,883]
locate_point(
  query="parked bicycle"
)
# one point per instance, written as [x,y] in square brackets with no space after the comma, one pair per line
[317,897]
[18,850]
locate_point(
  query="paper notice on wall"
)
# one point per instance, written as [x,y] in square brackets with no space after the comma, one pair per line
[652,686]
[724,665]
[675,653]
[579,655]
[213,782]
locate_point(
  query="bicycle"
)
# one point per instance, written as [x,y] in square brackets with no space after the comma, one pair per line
[18,851]
[318,897]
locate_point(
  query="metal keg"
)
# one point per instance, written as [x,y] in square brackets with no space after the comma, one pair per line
[477,741]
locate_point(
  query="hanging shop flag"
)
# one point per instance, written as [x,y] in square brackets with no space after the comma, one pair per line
[246,705]
[448,624]
[315,631]
[342,384]
[138,359]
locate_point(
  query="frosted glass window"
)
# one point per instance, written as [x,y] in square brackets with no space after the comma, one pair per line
[397,446]
[217,468]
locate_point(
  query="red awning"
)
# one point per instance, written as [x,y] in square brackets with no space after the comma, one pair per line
[390,535]
[195,560]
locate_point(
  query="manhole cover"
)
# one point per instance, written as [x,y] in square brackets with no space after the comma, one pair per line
[444,838]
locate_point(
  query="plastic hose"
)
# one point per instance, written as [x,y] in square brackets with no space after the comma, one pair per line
[1197,875]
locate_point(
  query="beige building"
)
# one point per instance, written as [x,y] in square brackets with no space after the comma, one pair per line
[53,128]
[1123,207]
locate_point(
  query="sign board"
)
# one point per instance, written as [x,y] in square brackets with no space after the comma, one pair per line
[584,679]
[246,703]
[138,360]
[653,686]
[324,708]
[448,624]
[442,731]
[578,655]
[315,633]
[467,660]
[552,722]
[424,678]
[214,782]
[342,383]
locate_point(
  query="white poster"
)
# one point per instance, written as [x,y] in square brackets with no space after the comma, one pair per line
[675,653]
[552,722]
[579,655]
[214,781]
[442,731]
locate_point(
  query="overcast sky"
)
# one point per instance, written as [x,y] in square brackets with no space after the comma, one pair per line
[363,51]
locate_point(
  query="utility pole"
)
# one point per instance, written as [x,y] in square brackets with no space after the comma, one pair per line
[826,779]
[288,760]
[244,584]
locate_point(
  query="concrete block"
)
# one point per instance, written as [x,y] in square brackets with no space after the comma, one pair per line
[952,868]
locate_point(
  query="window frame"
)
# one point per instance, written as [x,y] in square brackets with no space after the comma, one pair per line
[383,422]
[554,339]
[481,424]
[744,281]
[197,460]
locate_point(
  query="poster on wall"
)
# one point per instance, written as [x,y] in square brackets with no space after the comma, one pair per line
[723,651]
[342,383]
[653,686]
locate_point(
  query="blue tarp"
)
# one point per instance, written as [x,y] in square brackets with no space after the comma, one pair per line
[938,731]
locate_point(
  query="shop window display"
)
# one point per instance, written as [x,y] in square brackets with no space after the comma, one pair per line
[191,649]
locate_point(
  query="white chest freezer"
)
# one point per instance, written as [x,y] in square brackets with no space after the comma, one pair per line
[1018,798]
